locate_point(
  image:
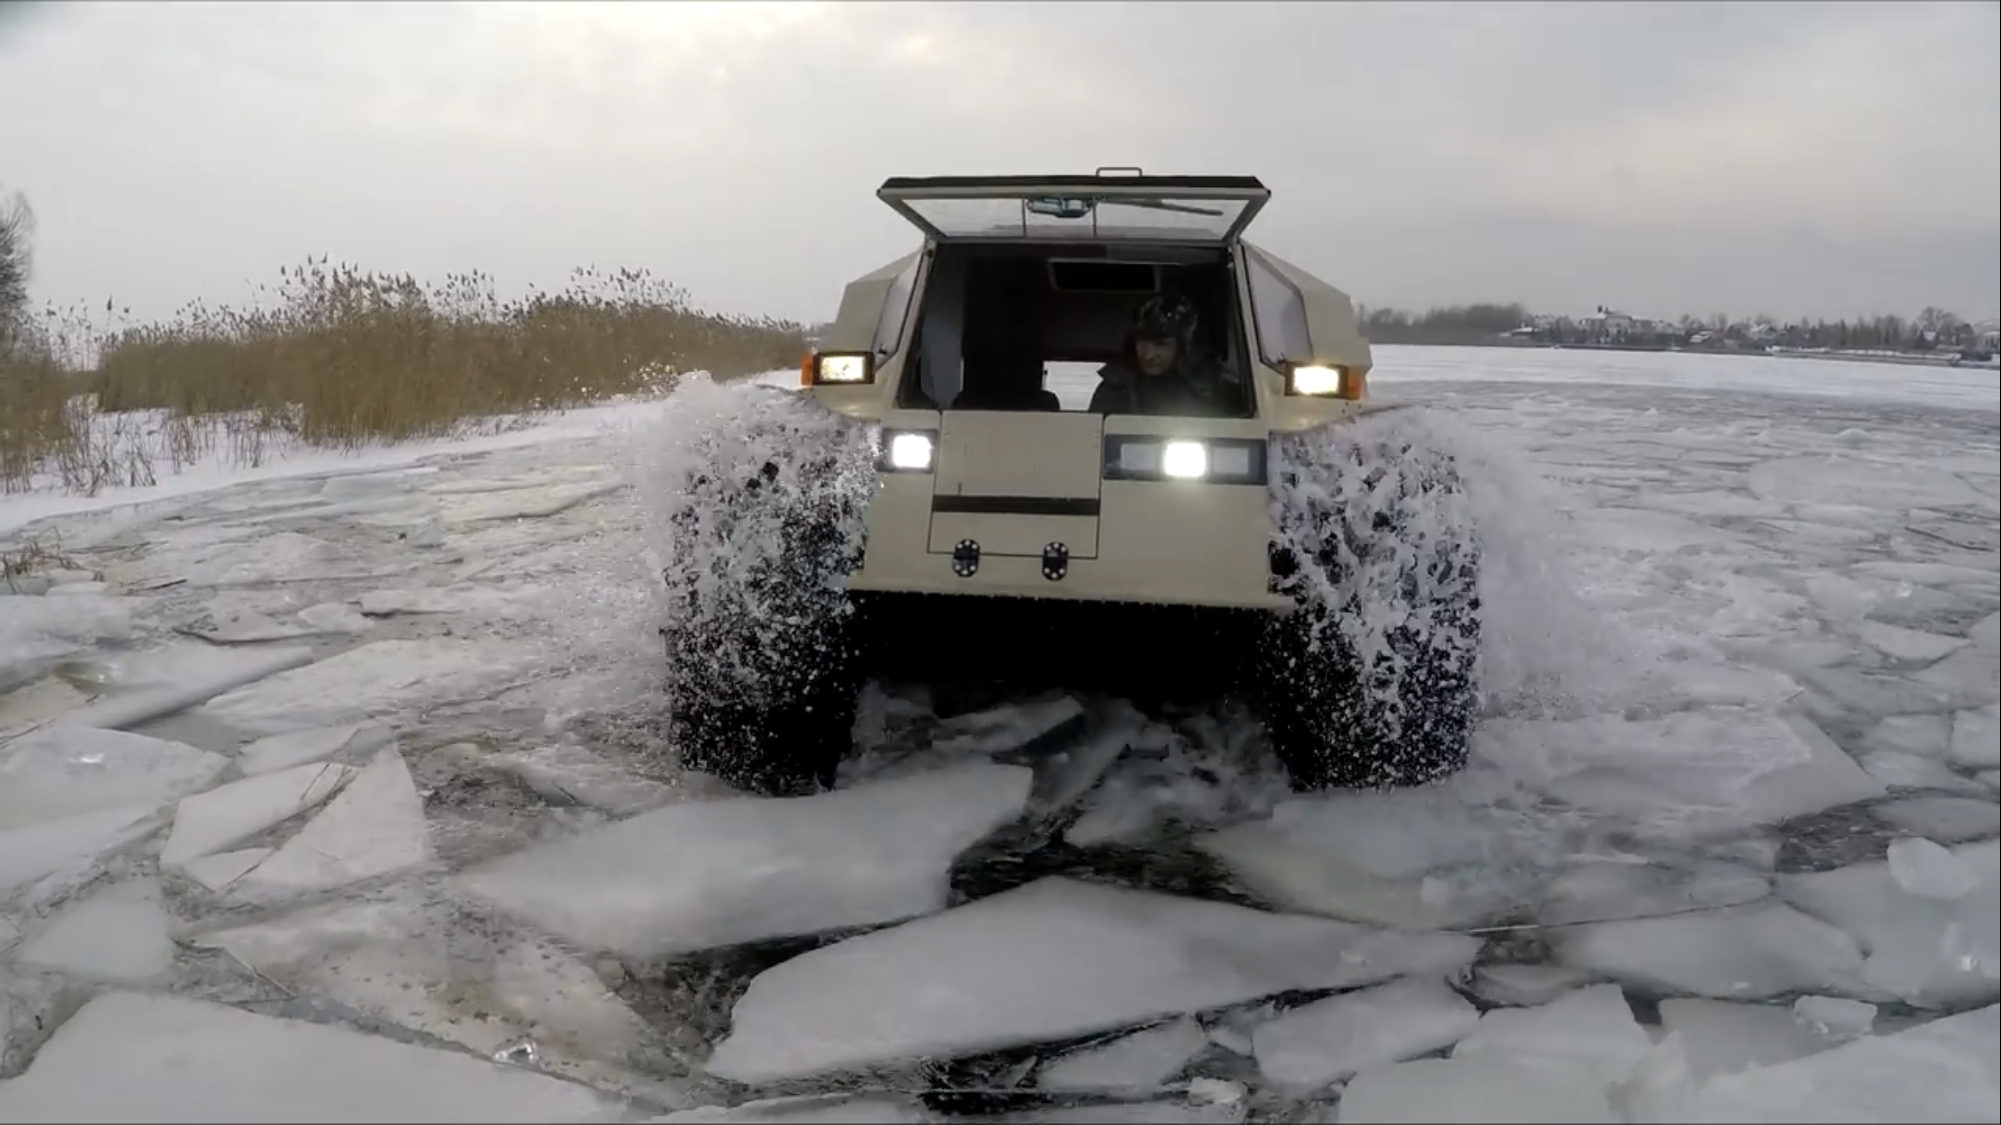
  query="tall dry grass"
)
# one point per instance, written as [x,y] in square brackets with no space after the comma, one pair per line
[337,358]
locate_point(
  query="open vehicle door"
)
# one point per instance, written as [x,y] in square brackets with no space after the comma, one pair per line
[1110,206]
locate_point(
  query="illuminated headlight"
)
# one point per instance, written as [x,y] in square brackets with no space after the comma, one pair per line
[844,369]
[1184,460]
[1220,460]
[910,453]
[906,451]
[1318,381]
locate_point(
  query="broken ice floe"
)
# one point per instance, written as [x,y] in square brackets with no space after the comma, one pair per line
[1928,919]
[375,827]
[62,771]
[1127,957]
[221,818]
[380,678]
[1136,1063]
[228,1065]
[118,933]
[704,874]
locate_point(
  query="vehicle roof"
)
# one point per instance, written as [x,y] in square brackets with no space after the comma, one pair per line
[1211,183]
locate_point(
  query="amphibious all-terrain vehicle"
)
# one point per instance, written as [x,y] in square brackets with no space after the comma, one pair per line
[1269,544]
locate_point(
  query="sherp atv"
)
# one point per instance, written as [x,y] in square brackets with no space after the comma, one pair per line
[925,508]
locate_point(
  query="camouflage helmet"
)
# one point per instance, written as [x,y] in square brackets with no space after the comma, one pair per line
[1165,316]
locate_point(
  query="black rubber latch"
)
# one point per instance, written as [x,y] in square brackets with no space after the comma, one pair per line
[1055,562]
[966,558]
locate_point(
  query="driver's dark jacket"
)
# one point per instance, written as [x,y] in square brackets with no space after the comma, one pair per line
[1198,389]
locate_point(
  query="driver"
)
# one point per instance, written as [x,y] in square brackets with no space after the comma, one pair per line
[1160,372]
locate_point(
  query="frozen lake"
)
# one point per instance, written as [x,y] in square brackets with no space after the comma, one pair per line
[1727,850]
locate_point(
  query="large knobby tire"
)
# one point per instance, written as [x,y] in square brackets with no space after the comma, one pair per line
[763,679]
[1372,680]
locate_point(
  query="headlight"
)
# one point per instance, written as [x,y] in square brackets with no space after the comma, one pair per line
[1218,460]
[1324,382]
[1184,460]
[843,368]
[910,453]
[907,451]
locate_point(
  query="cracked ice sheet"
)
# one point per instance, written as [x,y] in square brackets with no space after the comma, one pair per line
[1056,959]
[705,874]
[374,680]
[190,1060]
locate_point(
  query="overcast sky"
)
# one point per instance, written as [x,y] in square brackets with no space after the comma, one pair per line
[1806,158]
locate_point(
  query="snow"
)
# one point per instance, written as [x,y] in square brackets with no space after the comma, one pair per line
[376,739]
[705,874]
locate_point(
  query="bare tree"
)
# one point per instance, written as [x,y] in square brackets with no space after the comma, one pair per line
[17,227]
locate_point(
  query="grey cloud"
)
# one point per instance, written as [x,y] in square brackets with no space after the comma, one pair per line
[1795,158]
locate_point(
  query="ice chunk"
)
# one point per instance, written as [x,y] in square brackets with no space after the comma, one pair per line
[1839,480]
[1976,738]
[1131,1064]
[1922,868]
[1723,1037]
[185,687]
[377,678]
[1971,674]
[1605,891]
[217,872]
[118,934]
[564,774]
[1743,952]
[1484,1088]
[375,827]
[1946,1070]
[1527,985]
[1943,818]
[209,822]
[835,1109]
[1593,1026]
[1323,1042]
[1057,959]
[190,1060]
[1914,943]
[1709,770]
[1899,643]
[1986,633]
[711,873]
[37,633]
[1441,856]
[417,964]
[63,771]
[354,742]
[1908,771]
[37,850]
[1834,1017]
[1911,734]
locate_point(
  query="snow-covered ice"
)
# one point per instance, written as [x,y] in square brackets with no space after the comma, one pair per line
[369,746]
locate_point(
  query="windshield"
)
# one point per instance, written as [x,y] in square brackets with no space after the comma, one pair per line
[1081,217]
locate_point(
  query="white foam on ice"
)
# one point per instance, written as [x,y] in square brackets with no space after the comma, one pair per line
[1057,959]
[703,874]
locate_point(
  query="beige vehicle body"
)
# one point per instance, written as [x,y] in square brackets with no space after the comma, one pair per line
[1076,505]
